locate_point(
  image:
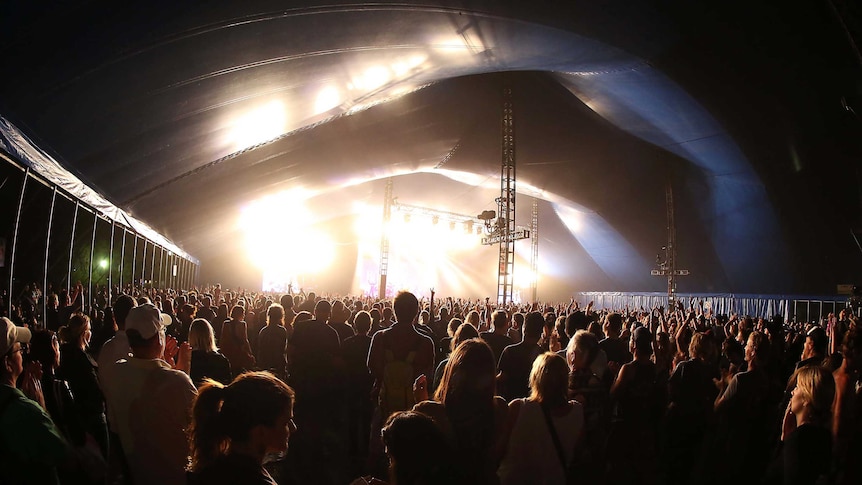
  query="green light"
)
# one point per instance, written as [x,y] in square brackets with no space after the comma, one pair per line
[103,263]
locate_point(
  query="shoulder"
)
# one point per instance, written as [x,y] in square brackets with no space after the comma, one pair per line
[429,408]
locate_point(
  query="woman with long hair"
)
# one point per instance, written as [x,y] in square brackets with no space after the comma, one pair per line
[236,427]
[806,448]
[468,412]
[464,332]
[545,428]
[59,402]
[691,398]
[78,368]
[206,361]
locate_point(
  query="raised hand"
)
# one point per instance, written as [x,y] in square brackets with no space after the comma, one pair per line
[420,389]
[184,358]
[171,349]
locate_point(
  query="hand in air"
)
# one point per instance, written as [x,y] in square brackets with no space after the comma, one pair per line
[420,389]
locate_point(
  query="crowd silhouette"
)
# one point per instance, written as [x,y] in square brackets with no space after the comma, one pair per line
[216,386]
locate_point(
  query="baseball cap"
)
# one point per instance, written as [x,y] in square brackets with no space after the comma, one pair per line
[147,320]
[13,334]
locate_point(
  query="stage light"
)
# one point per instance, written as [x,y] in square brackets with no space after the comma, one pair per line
[452,225]
[260,125]
[435,220]
[103,263]
[327,99]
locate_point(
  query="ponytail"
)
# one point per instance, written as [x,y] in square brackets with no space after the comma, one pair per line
[206,434]
[224,415]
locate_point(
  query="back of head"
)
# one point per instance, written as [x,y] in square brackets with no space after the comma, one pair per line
[585,342]
[73,332]
[533,325]
[275,314]
[549,379]
[286,301]
[237,312]
[454,325]
[42,348]
[201,335]
[221,415]
[819,340]
[758,345]
[406,307]
[322,310]
[418,450]
[122,305]
[469,376]
[518,318]
[465,332]
[642,340]
[615,323]
[499,319]
[362,323]
[703,347]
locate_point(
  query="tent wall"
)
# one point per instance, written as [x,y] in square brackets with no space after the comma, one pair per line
[52,240]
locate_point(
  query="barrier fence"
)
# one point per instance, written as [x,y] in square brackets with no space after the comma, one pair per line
[790,307]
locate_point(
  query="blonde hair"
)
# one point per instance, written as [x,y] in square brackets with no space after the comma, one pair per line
[201,336]
[817,387]
[702,347]
[549,379]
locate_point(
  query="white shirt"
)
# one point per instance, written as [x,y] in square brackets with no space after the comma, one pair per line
[113,350]
[150,403]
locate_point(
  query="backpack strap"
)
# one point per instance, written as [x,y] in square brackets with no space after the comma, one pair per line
[556,439]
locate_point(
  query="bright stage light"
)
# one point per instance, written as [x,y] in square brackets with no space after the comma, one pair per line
[103,263]
[327,99]
[259,125]
[572,218]
[282,248]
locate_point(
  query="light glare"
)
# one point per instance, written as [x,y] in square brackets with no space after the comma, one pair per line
[259,125]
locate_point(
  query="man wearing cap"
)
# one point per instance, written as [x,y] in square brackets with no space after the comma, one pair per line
[814,350]
[149,402]
[31,447]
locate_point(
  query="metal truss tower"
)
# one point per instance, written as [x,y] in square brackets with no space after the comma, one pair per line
[506,204]
[668,266]
[534,257]
[384,238]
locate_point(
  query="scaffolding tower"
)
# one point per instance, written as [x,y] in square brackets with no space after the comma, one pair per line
[506,204]
[534,255]
[384,238]
[668,266]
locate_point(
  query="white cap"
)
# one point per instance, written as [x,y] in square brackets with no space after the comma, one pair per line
[13,334]
[147,320]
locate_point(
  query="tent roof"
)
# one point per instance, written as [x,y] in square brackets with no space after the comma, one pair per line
[749,110]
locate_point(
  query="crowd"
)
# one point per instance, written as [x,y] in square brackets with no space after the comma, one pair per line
[208,386]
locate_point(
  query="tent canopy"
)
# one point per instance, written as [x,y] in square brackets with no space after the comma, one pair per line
[181,115]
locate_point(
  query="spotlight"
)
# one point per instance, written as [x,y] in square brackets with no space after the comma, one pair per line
[406,218]
[435,220]
[452,225]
